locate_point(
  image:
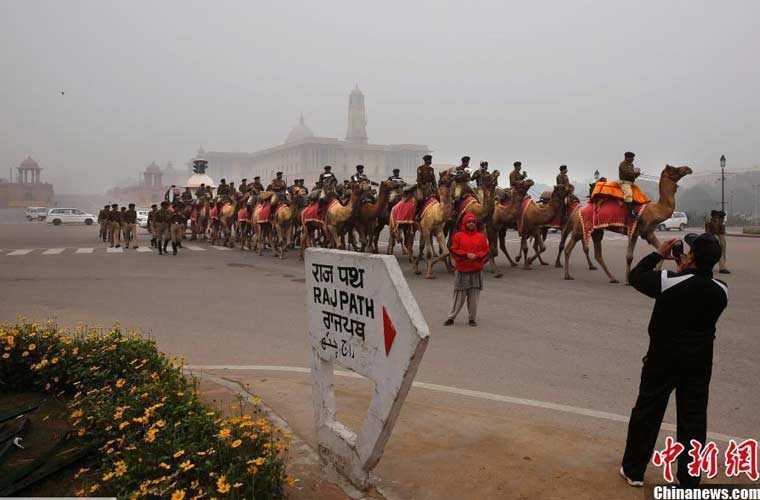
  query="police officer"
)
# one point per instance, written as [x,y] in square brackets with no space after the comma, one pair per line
[480,173]
[114,223]
[717,227]
[327,184]
[244,187]
[103,222]
[515,176]
[161,223]
[201,191]
[278,188]
[301,184]
[186,196]
[426,184]
[176,227]
[152,223]
[396,177]
[462,178]
[257,186]
[130,226]
[627,174]
[562,178]
[223,189]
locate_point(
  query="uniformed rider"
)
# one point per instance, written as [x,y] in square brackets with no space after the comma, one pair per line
[327,184]
[627,174]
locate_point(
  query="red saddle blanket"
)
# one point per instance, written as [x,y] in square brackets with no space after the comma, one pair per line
[194,214]
[214,213]
[521,213]
[612,190]
[608,213]
[403,212]
[243,214]
[265,210]
[312,212]
[462,205]
[428,203]
[569,209]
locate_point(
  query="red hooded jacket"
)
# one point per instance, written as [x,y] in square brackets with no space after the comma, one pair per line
[465,242]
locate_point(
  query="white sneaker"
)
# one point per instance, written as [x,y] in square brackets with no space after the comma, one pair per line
[631,482]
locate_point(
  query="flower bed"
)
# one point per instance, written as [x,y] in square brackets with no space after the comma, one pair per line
[131,404]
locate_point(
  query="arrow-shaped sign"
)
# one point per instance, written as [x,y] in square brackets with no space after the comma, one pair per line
[389,331]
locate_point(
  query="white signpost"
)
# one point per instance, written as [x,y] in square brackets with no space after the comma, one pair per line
[362,316]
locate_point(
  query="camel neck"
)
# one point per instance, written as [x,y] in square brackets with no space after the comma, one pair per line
[667,193]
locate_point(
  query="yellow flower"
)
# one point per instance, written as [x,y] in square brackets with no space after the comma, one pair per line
[186,465]
[222,486]
[150,436]
[54,360]
[25,354]
[159,423]
[165,466]
[123,425]
[76,414]
[179,453]
[120,382]
[291,481]
[178,495]
[107,477]
[224,433]
[236,443]
[121,468]
[81,431]
[80,472]
[258,461]
[6,355]
[237,485]
[94,488]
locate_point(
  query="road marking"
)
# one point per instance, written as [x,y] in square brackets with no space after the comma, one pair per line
[220,248]
[84,250]
[194,248]
[114,250]
[22,251]
[575,410]
[53,251]
[143,249]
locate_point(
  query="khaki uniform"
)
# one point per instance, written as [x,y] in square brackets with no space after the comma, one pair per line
[278,187]
[152,223]
[130,227]
[257,186]
[563,180]
[161,224]
[103,221]
[627,175]
[717,227]
[515,177]
[426,183]
[223,190]
[176,227]
[114,222]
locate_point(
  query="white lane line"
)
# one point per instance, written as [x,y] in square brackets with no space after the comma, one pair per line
[194,248]
[22,251]
[144,249]
[85,250]
[53,251]
[114,250]
[215,247]
[575,410]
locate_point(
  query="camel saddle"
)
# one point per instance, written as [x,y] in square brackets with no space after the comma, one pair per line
[214,213]
[612,190]
[194,213]
[242,215]
[606,213]
[314,213]
[563,214]
[429,202]
[521,213]
[403,212]
[462,205]
[265,210]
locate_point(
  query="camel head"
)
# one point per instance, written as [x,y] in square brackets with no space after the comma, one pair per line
[445,178]
[386,186]
[560,191]
[490,180]
[524,186]
[675,173]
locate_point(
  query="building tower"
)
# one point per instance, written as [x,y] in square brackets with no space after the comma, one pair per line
[28,172]
[357,118]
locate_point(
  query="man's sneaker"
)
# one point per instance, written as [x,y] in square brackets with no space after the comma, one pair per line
[631,482]
[448,322]
[724,271]
[118,246]
[472,322]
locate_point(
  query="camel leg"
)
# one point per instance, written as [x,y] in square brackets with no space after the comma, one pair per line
[444,257]
[597,236]
[429,256]
[416,259]
[568,252]
[503,246]
[524,252]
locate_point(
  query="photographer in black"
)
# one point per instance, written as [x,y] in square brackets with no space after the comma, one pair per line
[687,306]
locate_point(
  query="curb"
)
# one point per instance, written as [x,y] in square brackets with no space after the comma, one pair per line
[311,456]
[741,235]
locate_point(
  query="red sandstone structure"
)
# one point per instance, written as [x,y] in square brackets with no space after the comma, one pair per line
[28,190]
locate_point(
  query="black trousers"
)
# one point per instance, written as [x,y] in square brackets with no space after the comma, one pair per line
[687,369]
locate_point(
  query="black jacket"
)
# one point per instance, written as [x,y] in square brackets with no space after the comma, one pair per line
[687,304]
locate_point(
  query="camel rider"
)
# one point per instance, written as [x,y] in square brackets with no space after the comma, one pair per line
[223,189]
[478,176]
[244,187]
[278,188]
[303,187]
[172,193]
[257,186]
[187,196]
[396,178]
[233,191]
[461,177]
[361,178]
[326,184]
[515,176]
[627,175]
[426,184]
[200,191]
[562,178]
[151,223]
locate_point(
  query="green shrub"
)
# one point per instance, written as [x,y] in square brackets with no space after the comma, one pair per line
[751,230]
[153,436]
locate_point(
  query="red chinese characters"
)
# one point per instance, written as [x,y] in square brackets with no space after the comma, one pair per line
[742,459]
[667,456]
[703,460]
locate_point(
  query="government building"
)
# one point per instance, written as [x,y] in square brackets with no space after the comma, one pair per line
[27,190]
[303,154]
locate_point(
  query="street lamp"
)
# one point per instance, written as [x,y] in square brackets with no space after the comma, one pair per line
[596,175]
[723,183]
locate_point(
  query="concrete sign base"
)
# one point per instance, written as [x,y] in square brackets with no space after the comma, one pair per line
[363,317]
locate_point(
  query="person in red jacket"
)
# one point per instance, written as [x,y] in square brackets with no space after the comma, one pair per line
[469,248]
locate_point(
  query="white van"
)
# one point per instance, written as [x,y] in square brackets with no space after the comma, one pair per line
[58,216]
[677,221]
[35,213]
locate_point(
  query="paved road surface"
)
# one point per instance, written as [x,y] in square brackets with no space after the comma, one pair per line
[576,343]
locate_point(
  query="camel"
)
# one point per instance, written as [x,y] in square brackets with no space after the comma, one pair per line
[401,232]
[366,218]
[433,221]
[484,211]
[505,217]
[384,219]
[339,217]
[534,217]
[649,218]
[285,220]
[227,221]
[262,227]
[201,223]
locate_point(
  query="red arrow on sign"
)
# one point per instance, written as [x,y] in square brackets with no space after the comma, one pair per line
[389,331]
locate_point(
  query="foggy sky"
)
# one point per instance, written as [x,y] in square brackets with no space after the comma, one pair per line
[544,82]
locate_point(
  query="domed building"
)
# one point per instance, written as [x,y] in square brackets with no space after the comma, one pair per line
[304,154]
[28,190]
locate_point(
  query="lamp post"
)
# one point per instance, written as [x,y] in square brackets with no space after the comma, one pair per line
[596,175]
[723,183]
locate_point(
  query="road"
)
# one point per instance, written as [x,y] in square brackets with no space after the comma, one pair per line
[576,343]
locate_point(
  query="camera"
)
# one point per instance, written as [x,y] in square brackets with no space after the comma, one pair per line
[677,250]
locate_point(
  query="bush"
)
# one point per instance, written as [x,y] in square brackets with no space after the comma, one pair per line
[751,230]
[128,401]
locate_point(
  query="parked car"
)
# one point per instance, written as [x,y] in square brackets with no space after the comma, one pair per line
[142,217]
[677,221]
[35,213]
[58,216]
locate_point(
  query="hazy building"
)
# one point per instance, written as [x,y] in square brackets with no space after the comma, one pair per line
[28,190]
[304,154]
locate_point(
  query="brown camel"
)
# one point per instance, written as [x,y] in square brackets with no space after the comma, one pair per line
[505,217]
[649,218]
[483,211]
[339,217]
[534,217]
[366,218]
[262,230]
[433,221]
[200,226]
[227,219]
[286,219]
